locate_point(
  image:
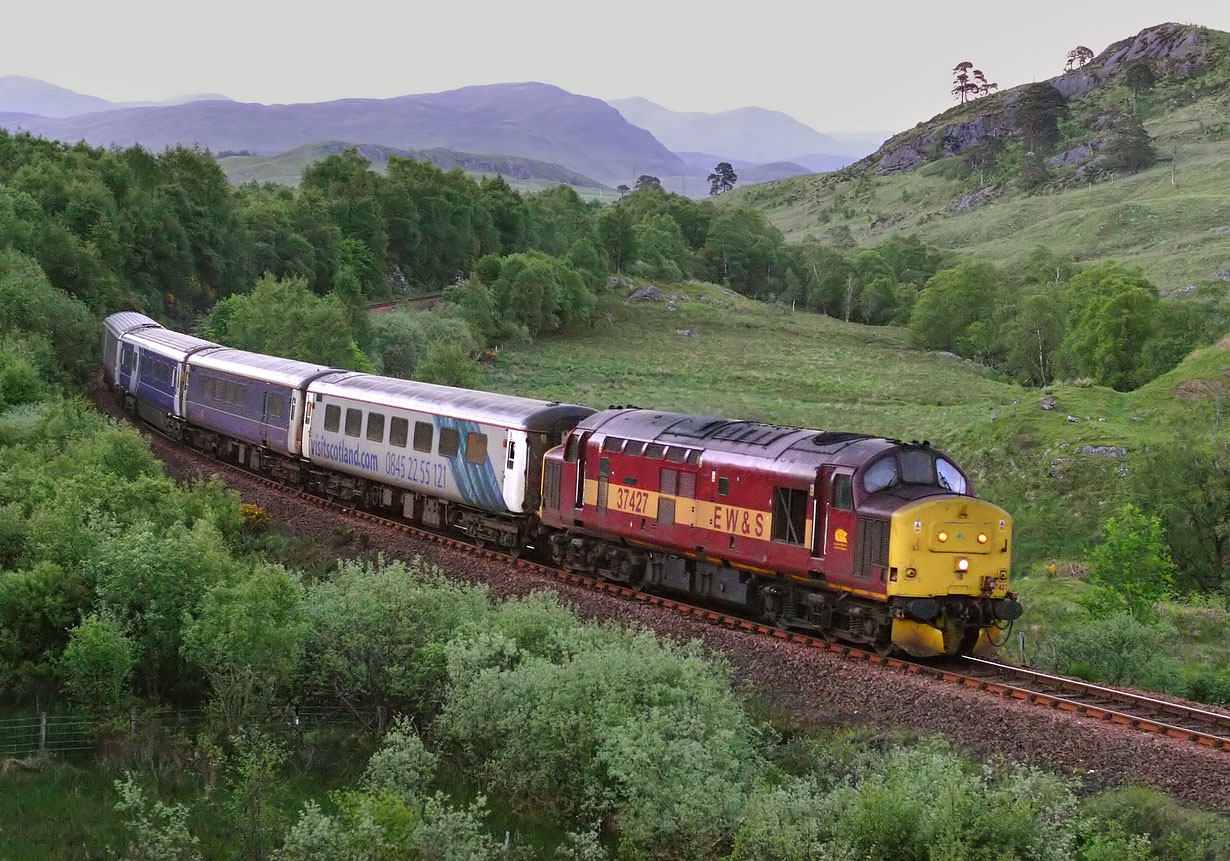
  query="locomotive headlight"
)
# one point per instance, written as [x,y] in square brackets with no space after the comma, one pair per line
[962,564]
[942,537]
[982,538]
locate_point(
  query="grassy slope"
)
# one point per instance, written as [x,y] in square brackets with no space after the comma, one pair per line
[1141,219]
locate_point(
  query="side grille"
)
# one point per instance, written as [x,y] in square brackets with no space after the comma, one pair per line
[550,485]
[872,547]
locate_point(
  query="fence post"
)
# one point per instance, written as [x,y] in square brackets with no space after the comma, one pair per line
[42,732]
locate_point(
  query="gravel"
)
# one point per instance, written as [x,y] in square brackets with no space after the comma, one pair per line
[810,686]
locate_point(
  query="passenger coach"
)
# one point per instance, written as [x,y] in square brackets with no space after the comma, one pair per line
[440,456]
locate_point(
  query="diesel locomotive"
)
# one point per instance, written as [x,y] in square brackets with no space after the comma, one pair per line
[853,537]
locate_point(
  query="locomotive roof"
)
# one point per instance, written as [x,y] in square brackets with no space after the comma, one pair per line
[711,433]
[173,345]
[126,321]
[272,369]
[487,407]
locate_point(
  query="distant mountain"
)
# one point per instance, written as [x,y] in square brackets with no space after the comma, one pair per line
[20,95]
[701,164]
[529,120]
[288,167]
[754,135]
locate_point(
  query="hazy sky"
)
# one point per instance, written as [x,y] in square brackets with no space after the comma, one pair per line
[854,67]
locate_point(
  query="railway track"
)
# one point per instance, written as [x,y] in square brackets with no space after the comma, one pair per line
[428,300]
[1072,696]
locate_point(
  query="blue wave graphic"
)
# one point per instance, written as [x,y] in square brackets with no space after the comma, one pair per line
[477,482]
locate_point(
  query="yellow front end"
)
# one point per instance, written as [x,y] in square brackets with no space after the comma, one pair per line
[948,575]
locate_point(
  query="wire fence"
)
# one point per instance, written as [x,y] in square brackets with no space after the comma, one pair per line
[42,733]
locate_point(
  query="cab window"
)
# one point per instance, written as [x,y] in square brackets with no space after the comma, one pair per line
[880,474]
[950,477]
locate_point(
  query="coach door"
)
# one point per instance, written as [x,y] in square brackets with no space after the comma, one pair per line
[836,529]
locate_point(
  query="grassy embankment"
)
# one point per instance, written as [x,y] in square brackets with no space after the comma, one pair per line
[750,360]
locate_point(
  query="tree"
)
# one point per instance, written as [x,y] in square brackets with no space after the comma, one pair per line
[645,182]
[969,83]
[1140,76]
[1129,147]
[96,665]
[1132,561]
[617,237]
[722,179]
[1036,116]
[1112,316]
[285,318]
[1078,57]
[623,190]
[953,301]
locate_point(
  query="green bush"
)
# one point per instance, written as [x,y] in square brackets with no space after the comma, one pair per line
[1115,649]
[1132,564]
[97,664]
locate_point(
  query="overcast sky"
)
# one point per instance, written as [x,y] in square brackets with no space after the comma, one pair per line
[866,66]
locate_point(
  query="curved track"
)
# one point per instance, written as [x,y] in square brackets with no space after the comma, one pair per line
[1137,711]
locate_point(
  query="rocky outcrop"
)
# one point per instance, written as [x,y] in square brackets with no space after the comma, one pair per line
[1176,50]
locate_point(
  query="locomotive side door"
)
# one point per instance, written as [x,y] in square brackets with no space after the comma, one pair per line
[838,524]
[582,443]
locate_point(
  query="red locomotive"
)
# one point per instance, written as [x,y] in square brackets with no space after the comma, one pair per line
[862,538]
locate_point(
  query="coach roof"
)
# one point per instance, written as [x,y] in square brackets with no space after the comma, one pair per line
[173,345]
[272,369]
[468,404]
[127,321]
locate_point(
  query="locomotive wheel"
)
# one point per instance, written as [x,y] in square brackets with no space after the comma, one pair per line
[773,609]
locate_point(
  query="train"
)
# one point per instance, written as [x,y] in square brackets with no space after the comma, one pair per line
[847,536]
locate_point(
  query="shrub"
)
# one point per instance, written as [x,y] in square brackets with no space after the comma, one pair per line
[97,664]
[1132,563]
[1115,649]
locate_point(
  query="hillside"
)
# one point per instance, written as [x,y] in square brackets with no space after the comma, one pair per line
[1172,219]
[529,120]
[288,167]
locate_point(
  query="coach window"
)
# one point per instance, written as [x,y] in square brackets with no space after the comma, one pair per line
[789,514]
[399,429]
[476,448]
[723,486]
[273,405]
[354,422]
[333,417]
[375,427]
[450,442]
[423,433]
[843,495]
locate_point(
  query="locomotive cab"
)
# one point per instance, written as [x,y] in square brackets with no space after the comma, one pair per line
[948,554]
